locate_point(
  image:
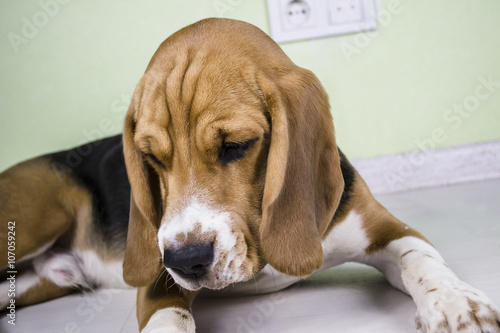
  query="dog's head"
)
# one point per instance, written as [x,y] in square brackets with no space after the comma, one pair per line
[232,160]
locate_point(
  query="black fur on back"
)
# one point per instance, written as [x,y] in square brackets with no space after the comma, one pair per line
[99,166]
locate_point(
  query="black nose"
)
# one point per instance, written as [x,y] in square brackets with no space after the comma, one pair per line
[190,262]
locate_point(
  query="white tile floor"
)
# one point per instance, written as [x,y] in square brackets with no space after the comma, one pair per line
[462,221]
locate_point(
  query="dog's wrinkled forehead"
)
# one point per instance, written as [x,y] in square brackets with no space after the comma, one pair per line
[211,108]
[203,41]
[196,77]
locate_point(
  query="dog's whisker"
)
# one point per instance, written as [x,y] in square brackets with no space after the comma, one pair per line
[159,277]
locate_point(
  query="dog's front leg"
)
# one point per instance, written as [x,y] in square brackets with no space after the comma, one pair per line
[164,307]
[444,302]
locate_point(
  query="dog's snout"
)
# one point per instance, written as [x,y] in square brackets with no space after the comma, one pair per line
[192,261]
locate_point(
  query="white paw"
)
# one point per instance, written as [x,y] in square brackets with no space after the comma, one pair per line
[170,320]
[457,307]
[60,268]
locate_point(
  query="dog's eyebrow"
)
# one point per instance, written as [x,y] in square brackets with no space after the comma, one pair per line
[147,143]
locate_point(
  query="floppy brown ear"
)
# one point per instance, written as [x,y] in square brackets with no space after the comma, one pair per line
[304,181]
[142,255]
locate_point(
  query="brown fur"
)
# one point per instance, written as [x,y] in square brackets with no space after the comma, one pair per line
[380,226]
[304,181]
[44,290]
[48,216]
[162,294]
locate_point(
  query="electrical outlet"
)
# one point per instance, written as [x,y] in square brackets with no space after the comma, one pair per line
[342,11]
[292,20]
[297,14]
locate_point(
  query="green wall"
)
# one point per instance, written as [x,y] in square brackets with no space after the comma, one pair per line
[418,81]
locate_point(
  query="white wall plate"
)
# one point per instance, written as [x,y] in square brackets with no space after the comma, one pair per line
[293,20]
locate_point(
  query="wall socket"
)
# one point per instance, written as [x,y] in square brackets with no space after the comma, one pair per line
[343,11]
[293,20]
[297,15]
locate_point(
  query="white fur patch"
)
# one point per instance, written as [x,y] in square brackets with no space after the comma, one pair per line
[60,268]
[345,242]
[105,274]
[266,281]
[455,305]
[196,213]
[79,269]
[428,261]
[203,218]
[444,302]
[170,320]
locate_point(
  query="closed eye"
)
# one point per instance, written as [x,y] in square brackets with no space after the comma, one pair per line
[152,158]
[233,151]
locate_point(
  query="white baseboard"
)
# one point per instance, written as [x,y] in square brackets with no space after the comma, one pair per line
[436,167]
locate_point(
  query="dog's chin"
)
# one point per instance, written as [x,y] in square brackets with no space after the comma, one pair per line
[208,281]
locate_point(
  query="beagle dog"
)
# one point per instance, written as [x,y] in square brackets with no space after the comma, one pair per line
[227,165]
